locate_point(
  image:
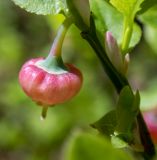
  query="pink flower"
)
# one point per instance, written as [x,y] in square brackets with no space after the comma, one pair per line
[49,88]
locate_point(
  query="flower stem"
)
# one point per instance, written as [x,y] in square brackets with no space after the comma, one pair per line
[53,62]
[44,112]
[128,28]
[58,41]
[119,81]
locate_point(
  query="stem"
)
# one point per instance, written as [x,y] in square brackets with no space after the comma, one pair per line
[128,28]
[145,138]
[53,62]
[44,112]
[119,82]
[58,41]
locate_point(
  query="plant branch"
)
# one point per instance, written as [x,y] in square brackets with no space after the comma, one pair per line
[119,81]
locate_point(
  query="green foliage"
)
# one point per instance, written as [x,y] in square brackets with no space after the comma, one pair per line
[106,125]
[147,4]
[127,110]
[85,146]
[149,17]
[42,7]
[119,123]
[108,18]
[129,8]
[22,134]
[118,142]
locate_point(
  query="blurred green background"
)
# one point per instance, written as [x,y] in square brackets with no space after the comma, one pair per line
[23,36]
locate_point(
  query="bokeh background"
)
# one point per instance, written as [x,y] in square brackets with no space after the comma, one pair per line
[23,36]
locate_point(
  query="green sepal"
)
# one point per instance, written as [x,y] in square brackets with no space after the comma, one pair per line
[53,65]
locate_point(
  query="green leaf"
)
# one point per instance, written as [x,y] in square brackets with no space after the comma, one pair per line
[127,7]
[106,125]
[150,30]
[118,141]
[147,4]
[85,146]
[42,7]
[108,18]
[149,17]
[127,110]
[120,122]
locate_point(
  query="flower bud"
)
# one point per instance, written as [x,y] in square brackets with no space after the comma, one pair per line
[113,51]
[49,88]
[49,81]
